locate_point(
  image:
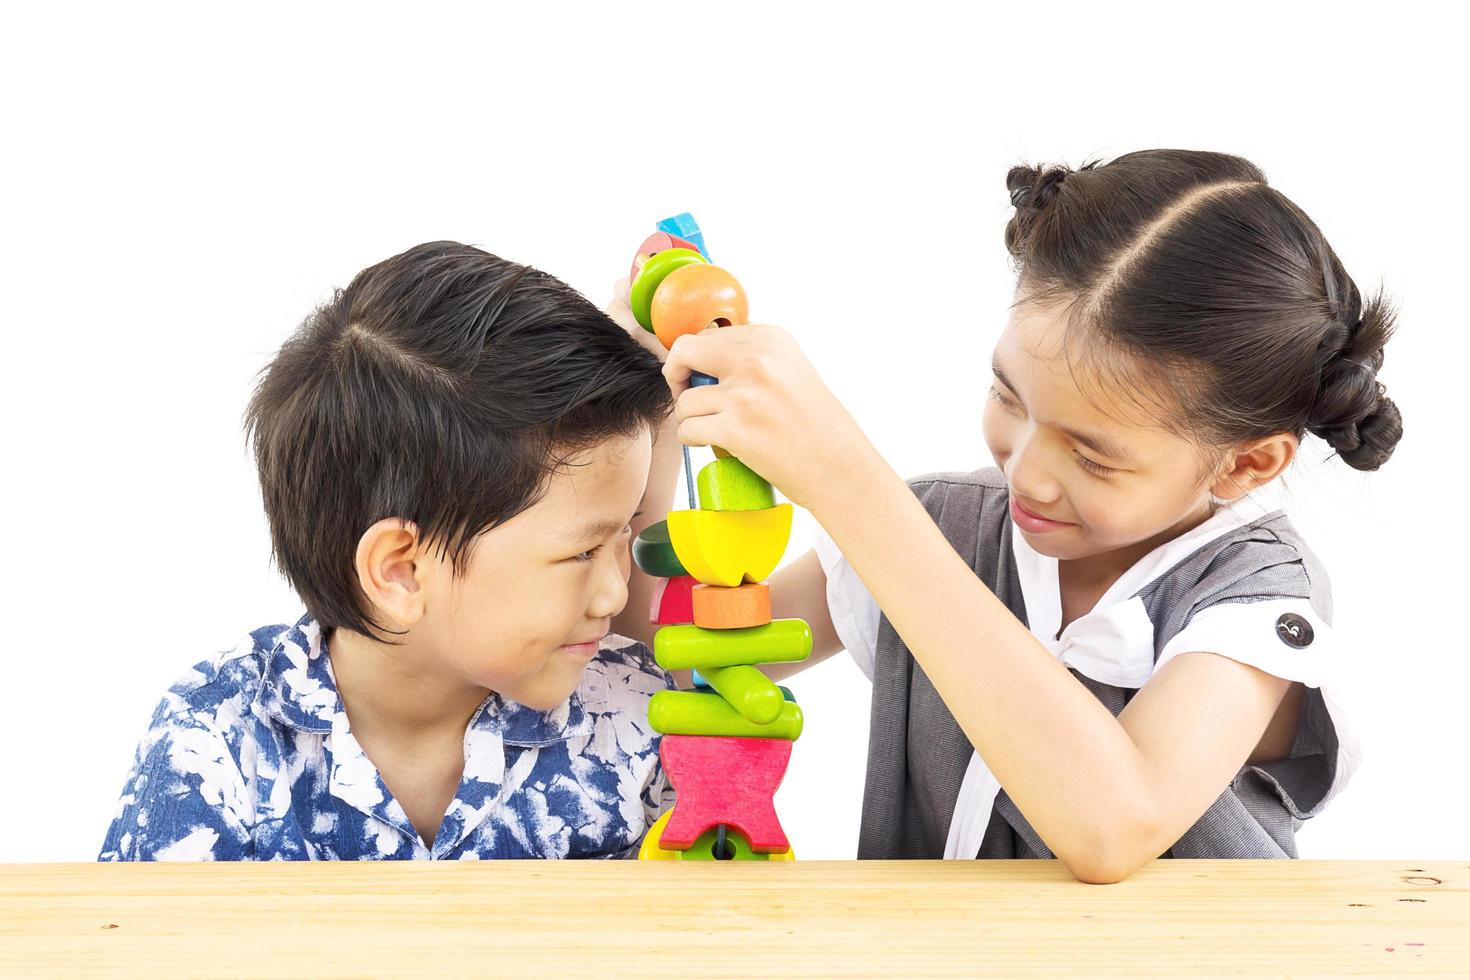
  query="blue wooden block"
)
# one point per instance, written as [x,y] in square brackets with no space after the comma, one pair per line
[698,378]
[684,226]
[699,680]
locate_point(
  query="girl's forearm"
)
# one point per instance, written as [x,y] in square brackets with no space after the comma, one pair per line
[1060,754]
[658,499]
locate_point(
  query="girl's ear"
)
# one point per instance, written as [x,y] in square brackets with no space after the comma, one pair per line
[390,570]
[1253,465]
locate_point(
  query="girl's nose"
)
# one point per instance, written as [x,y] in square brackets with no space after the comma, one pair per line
[1027,474]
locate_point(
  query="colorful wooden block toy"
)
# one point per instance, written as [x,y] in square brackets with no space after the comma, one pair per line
[781,641]
[684,226]
[724,781]
[692,297]
[659,241]
[708,713]
[706,848]
[717,608]
[654,553]
[728,484]
[673,601]
[727,547]
[658,268]
[749,692]
[726,744]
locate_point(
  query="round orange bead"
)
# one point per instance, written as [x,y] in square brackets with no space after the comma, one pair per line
[693,297]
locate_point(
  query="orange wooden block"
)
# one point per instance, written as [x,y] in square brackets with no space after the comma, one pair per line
[719,608]
[694,297]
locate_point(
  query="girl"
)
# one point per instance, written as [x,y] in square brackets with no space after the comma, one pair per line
[1112,646]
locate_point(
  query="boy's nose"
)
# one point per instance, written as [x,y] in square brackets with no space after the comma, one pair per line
[611,595]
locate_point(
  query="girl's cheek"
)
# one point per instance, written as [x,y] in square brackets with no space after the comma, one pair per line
[995,431]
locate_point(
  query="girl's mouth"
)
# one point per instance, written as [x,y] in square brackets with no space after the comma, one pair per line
[1035,523]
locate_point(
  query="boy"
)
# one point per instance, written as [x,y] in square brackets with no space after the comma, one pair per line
[450,453]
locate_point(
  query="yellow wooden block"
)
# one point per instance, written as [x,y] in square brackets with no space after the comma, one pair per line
[729,547]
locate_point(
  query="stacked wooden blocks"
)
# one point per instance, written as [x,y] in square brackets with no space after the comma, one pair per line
[726,744]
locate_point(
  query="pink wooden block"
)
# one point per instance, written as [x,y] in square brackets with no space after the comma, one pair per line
[724,780]
[673,601]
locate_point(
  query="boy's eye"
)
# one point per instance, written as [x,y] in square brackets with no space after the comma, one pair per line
[1097,468]
[592,553]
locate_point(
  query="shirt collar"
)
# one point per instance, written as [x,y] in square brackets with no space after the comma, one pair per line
[298,690]
[1041,584]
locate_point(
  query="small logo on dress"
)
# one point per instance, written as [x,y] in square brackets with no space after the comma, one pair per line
[1294,630]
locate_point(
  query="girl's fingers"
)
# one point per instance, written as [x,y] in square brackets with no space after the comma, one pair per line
[714,351]
[694,402]
[703,430]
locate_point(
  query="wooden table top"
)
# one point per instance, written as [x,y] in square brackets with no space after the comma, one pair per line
[670,920]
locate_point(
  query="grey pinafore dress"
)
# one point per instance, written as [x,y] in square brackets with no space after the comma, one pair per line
[917,755]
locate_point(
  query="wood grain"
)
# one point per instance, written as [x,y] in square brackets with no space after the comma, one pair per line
[810,919]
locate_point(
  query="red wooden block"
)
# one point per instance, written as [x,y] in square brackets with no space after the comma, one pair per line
[673,601]
[724,780]
[659,241]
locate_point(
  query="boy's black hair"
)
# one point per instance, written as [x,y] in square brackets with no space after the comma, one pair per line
[1227,296]
[442,386]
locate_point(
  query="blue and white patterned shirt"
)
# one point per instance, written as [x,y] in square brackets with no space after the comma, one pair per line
[250,757]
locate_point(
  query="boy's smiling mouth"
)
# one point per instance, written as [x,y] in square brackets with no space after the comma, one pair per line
[585,648]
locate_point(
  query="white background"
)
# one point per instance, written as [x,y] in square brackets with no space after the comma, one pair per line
[180,185]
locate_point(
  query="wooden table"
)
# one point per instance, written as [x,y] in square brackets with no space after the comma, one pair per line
[671,920]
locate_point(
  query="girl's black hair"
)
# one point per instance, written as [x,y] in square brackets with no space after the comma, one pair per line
[441,386]
[1225,294]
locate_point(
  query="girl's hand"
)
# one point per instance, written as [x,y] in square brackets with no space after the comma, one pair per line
[622,313]
[770,409]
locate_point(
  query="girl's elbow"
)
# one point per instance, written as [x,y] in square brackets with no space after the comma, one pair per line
[1095,871]
[1113,856]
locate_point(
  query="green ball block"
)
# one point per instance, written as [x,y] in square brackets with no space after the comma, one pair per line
[728,484]
[776,642]
[706,713]
[654,554]
[749,692]
[653,273]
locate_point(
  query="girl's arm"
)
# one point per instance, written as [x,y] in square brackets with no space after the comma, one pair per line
[797,591]
[1106,794]
[658,499]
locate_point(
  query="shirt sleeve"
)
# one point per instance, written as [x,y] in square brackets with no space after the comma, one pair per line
[854,611]
[1285,637]
[185,798]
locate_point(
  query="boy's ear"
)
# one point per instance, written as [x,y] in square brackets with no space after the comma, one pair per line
[1255,464]
[390,568]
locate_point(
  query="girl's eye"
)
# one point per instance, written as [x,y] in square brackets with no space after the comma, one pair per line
[589,554]
[1001,399]
[1096,468]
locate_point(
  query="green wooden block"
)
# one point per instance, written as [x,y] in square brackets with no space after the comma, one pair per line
[654,554]
[749,692]
[706,713]
[779,641]
[728,484]
[700,682]
[737,847]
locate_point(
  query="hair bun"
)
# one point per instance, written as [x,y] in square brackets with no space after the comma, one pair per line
[1352,413]
[1032,190]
